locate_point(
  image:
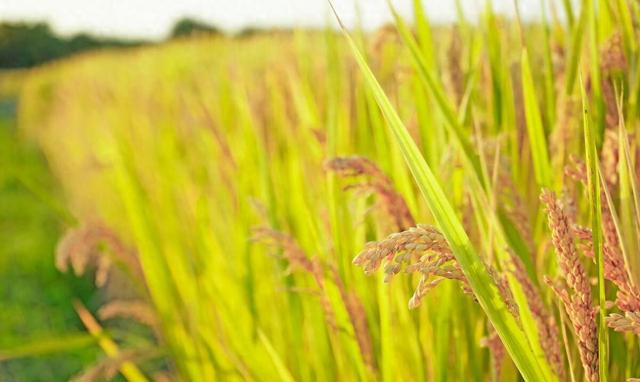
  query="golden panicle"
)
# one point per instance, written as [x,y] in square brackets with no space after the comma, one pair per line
[82,247]
[378,183]
[504,290]
[610,155]
[421,249]
[584,238]
[298,259]
[572,270]
[576,296]
[354,166]
[496,349]
[576,169]
[422,245]
[71,249]
[387,33]
[628,299]
[355,310]
[630,322]
[134,309]
[627,296]
[103,265]
[612,57]
[569,205]
[614,263]
[290,250]
[422,289]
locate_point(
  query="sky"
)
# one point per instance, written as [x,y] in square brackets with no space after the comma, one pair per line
[152,19]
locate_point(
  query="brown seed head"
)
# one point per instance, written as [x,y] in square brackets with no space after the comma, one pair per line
[95,245]
[497,350]
[421,249]
[576,298]
[377,183]
[630,322]
[612,57]
[137,310]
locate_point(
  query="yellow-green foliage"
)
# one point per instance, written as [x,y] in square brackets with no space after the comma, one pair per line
[183,149]
[11,82]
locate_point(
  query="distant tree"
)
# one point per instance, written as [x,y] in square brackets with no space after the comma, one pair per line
[255,31]
[81,42]
[25,45]
[188,27]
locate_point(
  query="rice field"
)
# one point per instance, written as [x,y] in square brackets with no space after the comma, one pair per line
[417,203]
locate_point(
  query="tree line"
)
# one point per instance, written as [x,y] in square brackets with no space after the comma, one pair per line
[24,45]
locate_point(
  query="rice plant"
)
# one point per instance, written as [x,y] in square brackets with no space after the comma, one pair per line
[422,203]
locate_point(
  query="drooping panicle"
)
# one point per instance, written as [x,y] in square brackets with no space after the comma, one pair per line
[576,294]
[375,182]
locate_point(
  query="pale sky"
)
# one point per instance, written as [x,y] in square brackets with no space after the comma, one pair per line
[154,18]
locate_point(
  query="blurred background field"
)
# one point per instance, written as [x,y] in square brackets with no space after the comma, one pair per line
[204,148]
[35,296]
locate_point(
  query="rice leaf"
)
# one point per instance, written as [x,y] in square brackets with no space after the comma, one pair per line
[535,128]
[596,228]
[58,344]
[283,373]
[473,267]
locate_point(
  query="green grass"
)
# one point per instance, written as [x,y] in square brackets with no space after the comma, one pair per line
[35,296]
